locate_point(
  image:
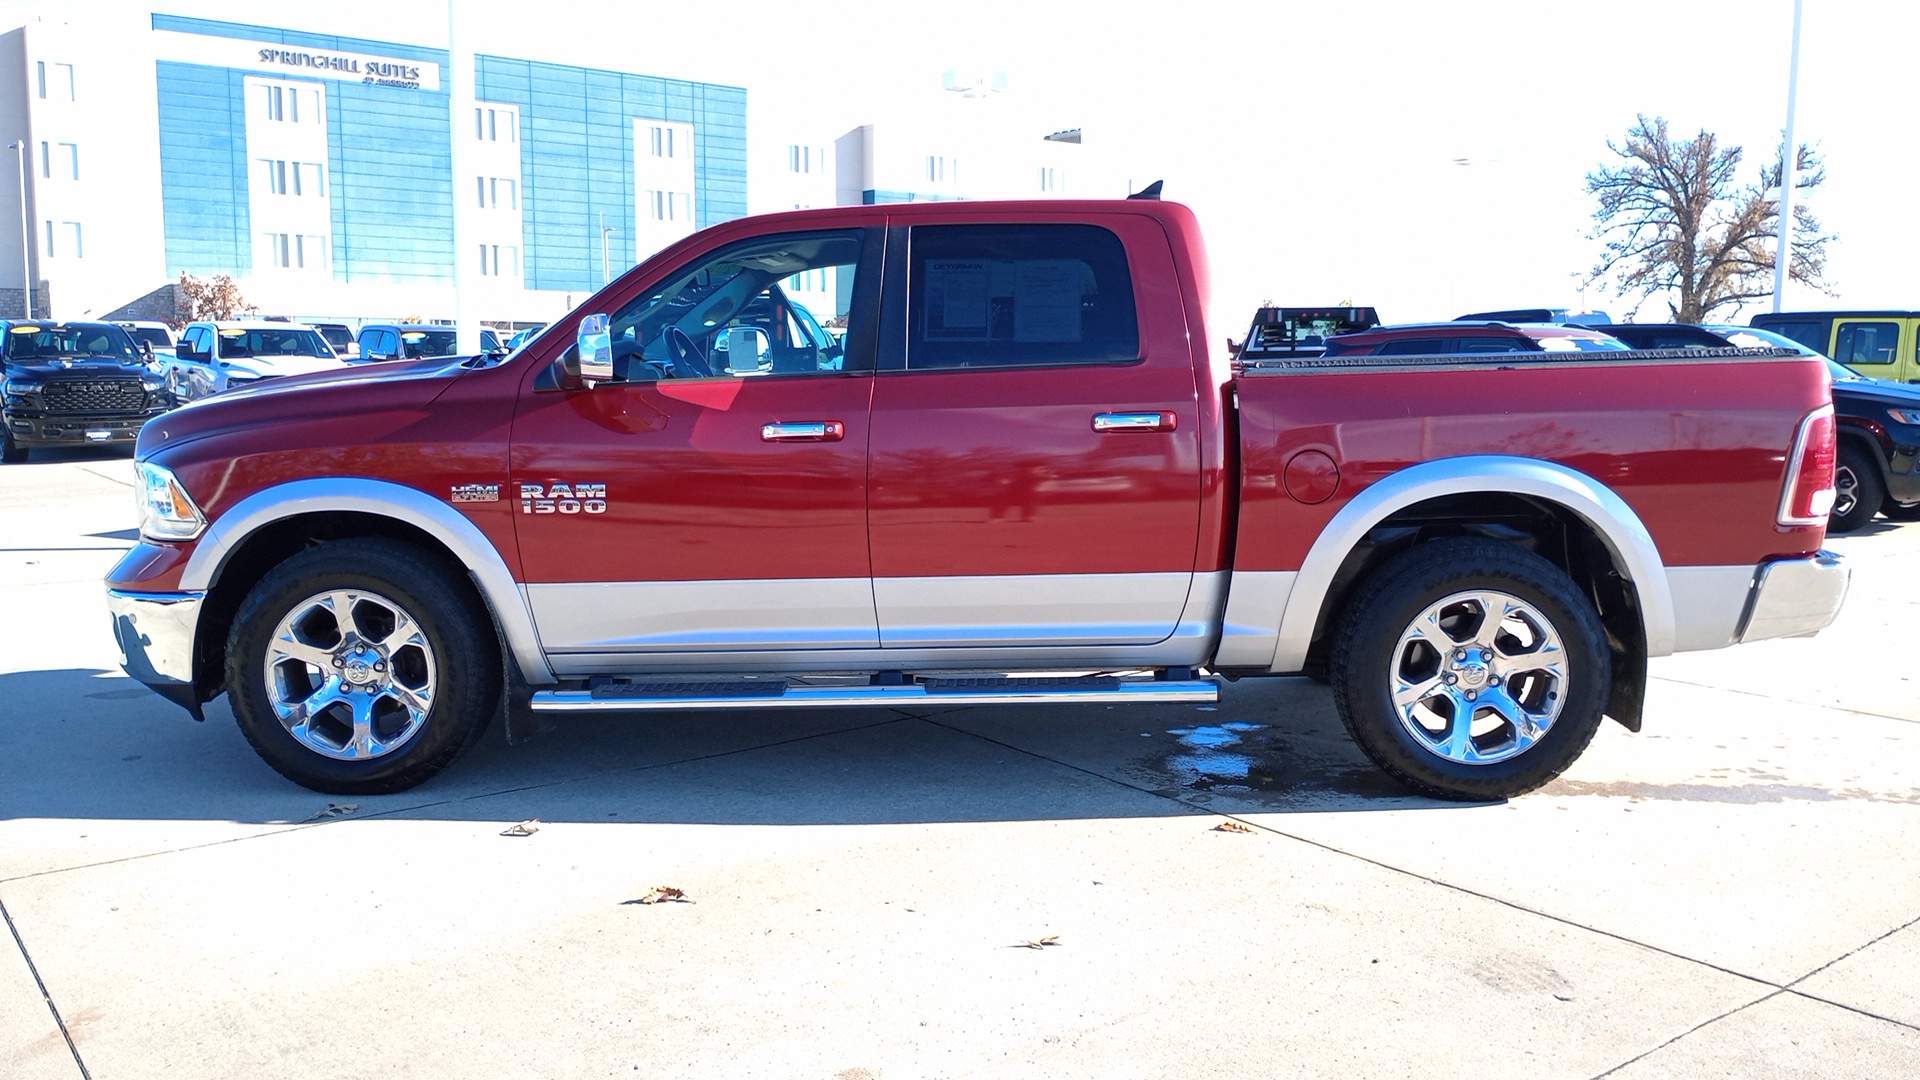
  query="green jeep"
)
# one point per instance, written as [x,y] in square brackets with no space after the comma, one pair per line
[1877,344]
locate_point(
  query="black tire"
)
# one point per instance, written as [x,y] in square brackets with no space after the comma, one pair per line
[11,453]
[461,660]
[1898,512]
[1369,654]
[1860,491]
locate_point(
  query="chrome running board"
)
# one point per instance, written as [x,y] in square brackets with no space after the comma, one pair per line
[749,694]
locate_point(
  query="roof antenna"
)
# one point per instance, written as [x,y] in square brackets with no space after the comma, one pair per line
[1151,191]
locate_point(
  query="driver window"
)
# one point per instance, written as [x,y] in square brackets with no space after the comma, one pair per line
[771,306]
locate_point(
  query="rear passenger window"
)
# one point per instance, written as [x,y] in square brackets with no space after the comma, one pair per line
[1019,295]
[1867,343]
[1812,334]
[1425,346]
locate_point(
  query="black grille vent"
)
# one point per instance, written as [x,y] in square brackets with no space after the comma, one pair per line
[95,396]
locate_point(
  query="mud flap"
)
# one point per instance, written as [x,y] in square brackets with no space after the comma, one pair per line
[1627,697]
[515,712]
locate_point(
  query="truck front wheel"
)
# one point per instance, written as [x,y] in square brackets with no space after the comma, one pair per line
[1471,669]
[361,667]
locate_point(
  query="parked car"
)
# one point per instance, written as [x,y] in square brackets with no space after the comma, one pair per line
[340,337]
[216,356]
[1279,333]
[1877,344]
[1878,469]
[73,383]
[1662,335]
[417,341]
[1024,462]
[1539,315]
[156,336]
[1438,339]
[522,336]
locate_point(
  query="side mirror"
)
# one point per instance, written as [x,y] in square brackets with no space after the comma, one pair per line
[593,349]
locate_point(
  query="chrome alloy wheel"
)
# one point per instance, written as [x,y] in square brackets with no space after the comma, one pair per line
[1479,677]
[350,674]
[1846,490]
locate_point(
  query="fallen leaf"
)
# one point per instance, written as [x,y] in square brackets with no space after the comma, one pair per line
[525,828]
[1041,943]
[661,894]
[335,809]
[1232,826]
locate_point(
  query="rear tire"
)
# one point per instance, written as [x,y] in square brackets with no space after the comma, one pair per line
[1859,492]
[1460,706]
[362,667]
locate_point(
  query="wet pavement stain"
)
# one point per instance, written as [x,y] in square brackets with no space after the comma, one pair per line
[1726,793]
[1242,757]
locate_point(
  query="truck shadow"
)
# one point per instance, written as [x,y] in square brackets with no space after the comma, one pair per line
[86,744]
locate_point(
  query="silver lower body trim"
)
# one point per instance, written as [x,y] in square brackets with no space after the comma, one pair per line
[1256,602]
[1796,597]
[1708,604]
[155,632]
[1198,691]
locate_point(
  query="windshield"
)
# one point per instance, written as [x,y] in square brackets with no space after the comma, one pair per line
[273,341]
[421,344]
[152,335]
[1571,343]
[71,342]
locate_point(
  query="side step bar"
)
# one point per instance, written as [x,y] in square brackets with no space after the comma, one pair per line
[626,697]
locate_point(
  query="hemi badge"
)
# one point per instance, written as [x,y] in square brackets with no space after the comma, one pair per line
[465,493]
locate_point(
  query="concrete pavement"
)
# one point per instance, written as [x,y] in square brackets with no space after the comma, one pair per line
[1732,891]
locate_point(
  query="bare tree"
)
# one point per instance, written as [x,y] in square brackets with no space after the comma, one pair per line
[198,299]
[1677,222]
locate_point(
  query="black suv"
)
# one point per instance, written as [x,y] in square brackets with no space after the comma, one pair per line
[1878,471]
[74,383]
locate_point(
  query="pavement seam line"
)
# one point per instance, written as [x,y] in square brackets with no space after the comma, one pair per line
[297,826]
[34,969]
[1814,704]
[1689,1031]
[1851,952]
[1417,876]
[104,476]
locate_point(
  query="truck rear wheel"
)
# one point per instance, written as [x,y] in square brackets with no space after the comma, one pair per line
[361,667]
[1471,669]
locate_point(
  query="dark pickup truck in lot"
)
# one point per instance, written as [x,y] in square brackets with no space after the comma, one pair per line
[74,383]
[1026,474]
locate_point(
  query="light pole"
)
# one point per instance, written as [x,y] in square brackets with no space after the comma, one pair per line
[606,266]
[19,146]
[460,68]
[1789,157]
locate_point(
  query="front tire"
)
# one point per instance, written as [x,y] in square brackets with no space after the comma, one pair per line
[1858,490]
[1471,669]
[1900,511]
[11,453]
[361,667]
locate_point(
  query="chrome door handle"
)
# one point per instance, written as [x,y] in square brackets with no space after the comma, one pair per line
[810,431]
[1133,421]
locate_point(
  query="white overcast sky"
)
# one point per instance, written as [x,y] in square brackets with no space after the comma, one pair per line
[1316,141]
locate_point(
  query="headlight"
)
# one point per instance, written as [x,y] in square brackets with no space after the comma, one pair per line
[152,381]
[1905,416]
[167,512]
[23,386]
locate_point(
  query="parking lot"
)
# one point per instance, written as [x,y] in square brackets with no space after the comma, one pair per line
[994,891]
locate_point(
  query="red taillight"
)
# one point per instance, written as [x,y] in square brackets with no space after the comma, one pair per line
[1809,492]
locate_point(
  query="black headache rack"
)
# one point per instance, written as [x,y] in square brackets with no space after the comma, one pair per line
[1453,361]
[1293,332]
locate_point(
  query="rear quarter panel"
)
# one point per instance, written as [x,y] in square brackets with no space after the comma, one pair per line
[1697,449]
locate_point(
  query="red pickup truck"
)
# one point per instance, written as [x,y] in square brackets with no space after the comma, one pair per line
[1020,474]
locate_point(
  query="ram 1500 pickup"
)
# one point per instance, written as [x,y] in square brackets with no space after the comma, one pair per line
[1021,474]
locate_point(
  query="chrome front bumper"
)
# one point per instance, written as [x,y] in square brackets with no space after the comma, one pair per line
[156,635]
[1796,597]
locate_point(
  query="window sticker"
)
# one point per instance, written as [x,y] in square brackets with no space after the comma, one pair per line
[957,292]
[1046,299]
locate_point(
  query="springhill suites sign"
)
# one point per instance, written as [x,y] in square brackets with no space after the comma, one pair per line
[379,72]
